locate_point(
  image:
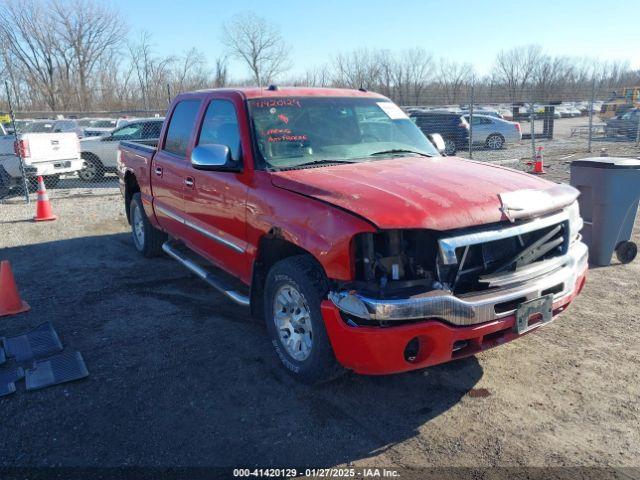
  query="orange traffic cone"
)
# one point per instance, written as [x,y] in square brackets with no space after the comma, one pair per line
[43,206]
[10,302]
[538,164]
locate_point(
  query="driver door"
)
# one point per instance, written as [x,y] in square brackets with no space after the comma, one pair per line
[215,202]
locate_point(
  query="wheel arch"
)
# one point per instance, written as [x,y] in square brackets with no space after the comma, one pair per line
[272,247]
[131,186]
[91,156]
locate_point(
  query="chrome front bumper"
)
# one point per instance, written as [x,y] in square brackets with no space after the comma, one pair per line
[479,307]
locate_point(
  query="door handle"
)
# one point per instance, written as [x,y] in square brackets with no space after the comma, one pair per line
[188,181]
[159,171]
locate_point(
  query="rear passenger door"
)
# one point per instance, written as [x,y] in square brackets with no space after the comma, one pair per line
[482,127]
[170,167]
[215,202]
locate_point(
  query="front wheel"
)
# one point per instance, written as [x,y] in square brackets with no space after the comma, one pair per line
[147,239]
[450,147]
[294,290]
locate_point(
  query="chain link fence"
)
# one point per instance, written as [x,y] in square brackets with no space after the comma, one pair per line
[506,134]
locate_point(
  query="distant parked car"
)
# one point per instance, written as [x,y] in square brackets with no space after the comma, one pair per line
[100,153]
[626,124]
[494,132]
[452,126]
[482,111]
[53,126]
[98,127]
[20,125]
[574,111]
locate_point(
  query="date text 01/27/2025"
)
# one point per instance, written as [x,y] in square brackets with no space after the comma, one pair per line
[316,473]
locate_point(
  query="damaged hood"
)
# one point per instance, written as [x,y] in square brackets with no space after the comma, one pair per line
[439,193]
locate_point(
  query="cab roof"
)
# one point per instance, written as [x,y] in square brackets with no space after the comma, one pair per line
[266,92]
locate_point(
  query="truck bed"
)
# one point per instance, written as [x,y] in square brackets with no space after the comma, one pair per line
[136,158]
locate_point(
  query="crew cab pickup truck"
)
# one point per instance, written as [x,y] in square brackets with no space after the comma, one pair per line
[46,154]
[331,215]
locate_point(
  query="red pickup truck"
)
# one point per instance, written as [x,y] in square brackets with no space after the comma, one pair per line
[329,213]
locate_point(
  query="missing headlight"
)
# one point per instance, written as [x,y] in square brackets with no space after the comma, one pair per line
[390,260]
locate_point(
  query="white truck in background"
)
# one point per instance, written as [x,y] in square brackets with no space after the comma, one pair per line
[46,154]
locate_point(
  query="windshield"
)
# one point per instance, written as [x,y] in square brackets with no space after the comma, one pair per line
[296,131]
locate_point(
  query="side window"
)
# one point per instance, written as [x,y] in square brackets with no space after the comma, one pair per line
[220,125]
[128,132]
[180,127]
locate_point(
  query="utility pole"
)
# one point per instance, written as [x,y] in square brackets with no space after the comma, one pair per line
[25,184]
[593,99]
[471,102]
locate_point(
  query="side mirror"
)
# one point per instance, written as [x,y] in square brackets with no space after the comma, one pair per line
[438,142]
[213,157]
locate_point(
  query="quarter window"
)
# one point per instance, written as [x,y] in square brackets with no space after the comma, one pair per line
[181,126]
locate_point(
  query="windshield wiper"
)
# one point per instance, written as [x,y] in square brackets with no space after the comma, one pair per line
[315,162]
[399,150]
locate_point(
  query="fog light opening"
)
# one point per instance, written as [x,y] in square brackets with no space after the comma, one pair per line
[459,345]
[411,350]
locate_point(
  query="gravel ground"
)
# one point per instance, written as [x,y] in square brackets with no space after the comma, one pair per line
[180,376]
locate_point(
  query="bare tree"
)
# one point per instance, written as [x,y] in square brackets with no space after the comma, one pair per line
[414,69]
[27,32]
[89,32]
[358,69]
[190,71]
[515,69]
[453,78]
[258,44]
[221,72]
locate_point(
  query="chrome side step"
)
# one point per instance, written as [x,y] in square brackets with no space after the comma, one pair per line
[208,277]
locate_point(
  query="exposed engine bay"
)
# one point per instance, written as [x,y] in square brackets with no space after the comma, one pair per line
[408,262]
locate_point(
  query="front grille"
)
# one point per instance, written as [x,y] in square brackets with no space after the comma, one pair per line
[503,256]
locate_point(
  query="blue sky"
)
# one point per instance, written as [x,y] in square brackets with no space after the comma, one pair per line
[462,30]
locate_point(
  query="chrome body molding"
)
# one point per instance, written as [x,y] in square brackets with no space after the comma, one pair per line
[476,307]
[199,229]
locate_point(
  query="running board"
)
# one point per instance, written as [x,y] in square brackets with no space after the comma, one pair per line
[208,277]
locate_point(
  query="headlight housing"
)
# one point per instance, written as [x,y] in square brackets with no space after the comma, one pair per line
[575,221]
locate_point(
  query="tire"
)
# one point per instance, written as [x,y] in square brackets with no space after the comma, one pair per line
[147,239]
[495,141]
[450,147]
[626,252]
[296,286]
[92,171]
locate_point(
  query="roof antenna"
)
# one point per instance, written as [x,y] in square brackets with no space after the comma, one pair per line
[273,88]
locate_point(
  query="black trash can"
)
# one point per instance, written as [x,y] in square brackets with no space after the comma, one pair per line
[609,193]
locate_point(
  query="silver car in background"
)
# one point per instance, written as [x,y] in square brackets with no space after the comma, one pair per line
[494,133]
[100,153]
